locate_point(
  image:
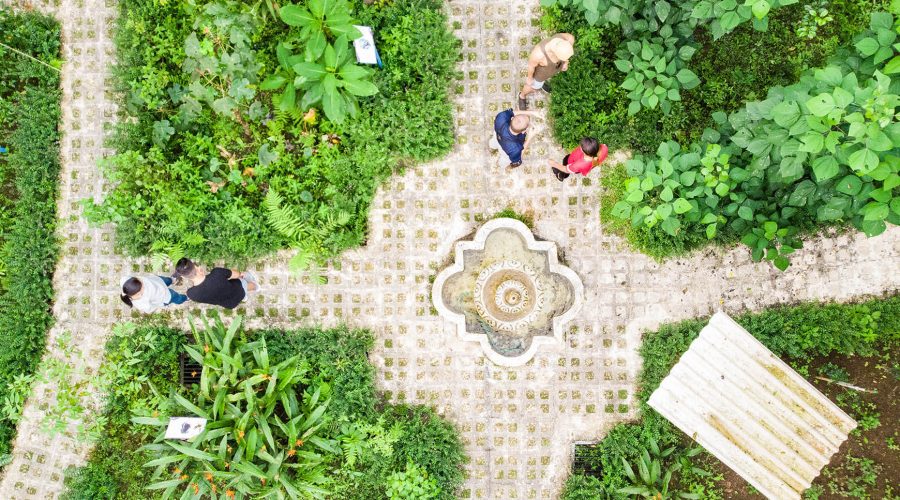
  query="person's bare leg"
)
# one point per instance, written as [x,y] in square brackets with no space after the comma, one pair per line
[526,89]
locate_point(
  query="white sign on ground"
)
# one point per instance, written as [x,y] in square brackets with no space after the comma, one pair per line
[366,53]
[185,428]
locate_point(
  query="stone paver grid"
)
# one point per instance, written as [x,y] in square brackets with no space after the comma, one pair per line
[517,424]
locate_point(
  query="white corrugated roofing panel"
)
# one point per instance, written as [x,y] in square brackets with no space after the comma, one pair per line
[751,410]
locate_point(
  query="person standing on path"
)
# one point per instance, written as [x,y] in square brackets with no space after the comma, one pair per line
[510,136]
[149,292]
[220,287]
[547,58]
[581,160]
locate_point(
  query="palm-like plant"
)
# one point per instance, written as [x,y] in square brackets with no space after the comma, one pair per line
[651,481]
[260,439]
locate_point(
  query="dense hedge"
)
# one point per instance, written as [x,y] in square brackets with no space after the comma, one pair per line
[141,357]
[29,118]
[199,187]
[588,100]
[798,333]
[820,152]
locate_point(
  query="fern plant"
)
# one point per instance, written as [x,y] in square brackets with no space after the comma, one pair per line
[165,250]
[305,236]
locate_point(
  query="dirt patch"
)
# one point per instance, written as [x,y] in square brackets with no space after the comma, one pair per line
[868,463]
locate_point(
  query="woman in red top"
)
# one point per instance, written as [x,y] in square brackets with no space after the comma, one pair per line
[581,160]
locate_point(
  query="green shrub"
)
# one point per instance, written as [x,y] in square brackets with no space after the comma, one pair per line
[412,484]
[29,119]
[139,370]
[264,434]
[195,163]
[581,487]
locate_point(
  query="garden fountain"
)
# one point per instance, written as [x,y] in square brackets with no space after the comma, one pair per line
[508,291]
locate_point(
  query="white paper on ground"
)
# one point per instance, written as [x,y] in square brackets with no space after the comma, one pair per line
[185,428]
[365,46]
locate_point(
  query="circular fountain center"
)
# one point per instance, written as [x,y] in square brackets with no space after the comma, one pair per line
[508,295]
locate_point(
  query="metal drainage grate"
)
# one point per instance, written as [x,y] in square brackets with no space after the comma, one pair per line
[189,370]
[585,460]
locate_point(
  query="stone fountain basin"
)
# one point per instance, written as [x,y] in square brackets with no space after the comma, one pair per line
[508,292]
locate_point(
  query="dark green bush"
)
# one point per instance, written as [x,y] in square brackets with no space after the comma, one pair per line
[29,119]
[799,333]
[339,355]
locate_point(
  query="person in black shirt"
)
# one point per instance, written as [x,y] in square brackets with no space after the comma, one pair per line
[220,287]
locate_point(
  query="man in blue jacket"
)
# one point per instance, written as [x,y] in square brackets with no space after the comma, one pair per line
[510,136]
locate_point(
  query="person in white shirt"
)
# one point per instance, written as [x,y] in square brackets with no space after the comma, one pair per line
[148,292]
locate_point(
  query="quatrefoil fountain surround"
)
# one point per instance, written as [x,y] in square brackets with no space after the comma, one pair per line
[508,292]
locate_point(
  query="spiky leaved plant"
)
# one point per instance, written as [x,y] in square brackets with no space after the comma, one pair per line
[260,440]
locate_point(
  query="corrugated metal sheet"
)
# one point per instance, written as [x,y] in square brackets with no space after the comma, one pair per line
[751,410]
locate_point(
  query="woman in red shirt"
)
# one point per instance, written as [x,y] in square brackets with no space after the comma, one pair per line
[581,160]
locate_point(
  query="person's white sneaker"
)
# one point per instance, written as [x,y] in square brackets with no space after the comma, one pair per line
[251,278]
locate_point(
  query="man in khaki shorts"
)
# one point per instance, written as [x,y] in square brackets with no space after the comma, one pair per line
[547,58]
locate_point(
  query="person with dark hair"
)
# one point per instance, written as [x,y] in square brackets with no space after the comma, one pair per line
[581,160]
[220,287]
[510,136]
[149,292]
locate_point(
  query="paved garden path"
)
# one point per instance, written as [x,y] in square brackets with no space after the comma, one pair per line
[518,424]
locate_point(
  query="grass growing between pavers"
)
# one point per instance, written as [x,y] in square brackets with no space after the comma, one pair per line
[861,339]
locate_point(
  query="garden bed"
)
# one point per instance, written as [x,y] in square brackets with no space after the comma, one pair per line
[221,156]
[868,463]
[588,99]
[29,175]
[862,339]
[361,447]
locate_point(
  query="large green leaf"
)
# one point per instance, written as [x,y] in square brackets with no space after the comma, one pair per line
[821,104]
[296,15]
[801,193]
[867,46]
[312,71]
[849,185]
[621,210]
[875,211]
[681,206]
[863,160]
[360,87]
[687,78]
[825,167]
[332,101]
[786,113]
[192,452]
[288,98]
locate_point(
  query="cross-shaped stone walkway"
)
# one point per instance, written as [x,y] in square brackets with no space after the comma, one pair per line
[518,424]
